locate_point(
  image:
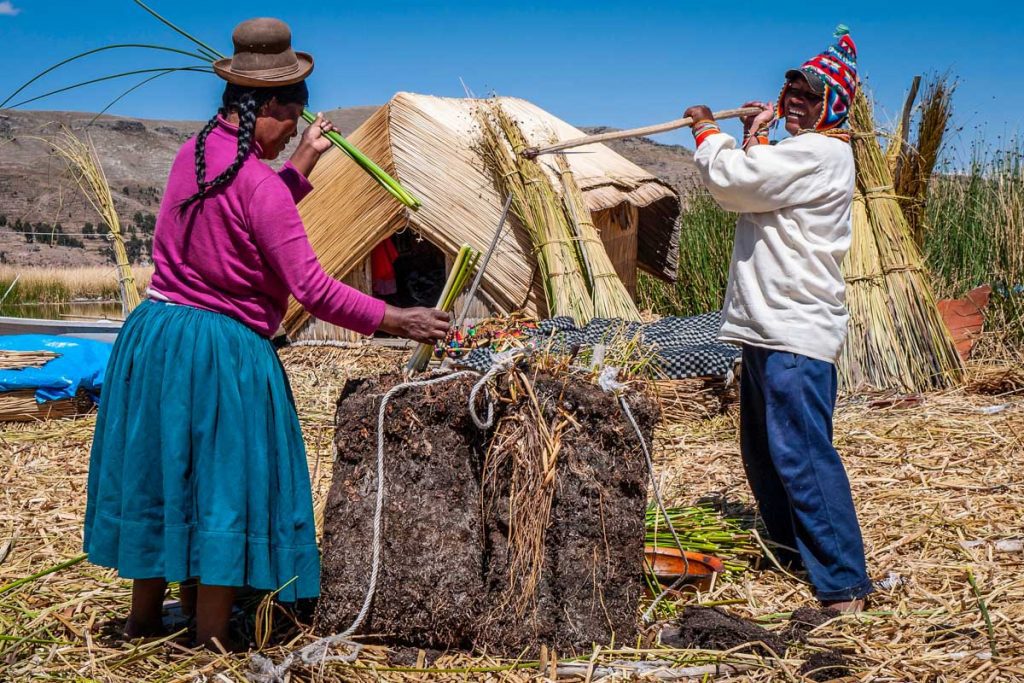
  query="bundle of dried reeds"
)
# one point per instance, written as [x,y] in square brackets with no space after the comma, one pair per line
[897,339]
[538,207]
[19,360]
[610,297]
[84,166]
[914,162]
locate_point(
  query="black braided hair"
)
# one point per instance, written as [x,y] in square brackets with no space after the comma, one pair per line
[247,103]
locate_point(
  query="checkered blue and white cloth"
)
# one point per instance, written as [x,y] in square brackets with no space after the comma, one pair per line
[682,347]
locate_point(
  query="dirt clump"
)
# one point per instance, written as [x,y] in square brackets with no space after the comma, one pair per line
[825,666]
[529,533]
[711,628]
[803,621]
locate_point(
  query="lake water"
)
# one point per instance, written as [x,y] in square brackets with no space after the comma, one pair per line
[74,309]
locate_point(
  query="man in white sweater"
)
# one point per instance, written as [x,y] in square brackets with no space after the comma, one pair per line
[785,305]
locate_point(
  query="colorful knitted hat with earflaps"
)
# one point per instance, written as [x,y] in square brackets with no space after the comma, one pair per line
[833,74]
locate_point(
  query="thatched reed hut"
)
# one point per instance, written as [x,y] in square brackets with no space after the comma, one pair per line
[431,145]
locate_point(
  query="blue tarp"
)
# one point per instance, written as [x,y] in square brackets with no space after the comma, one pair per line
[81,364]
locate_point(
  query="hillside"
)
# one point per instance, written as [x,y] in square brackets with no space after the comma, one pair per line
[36,194]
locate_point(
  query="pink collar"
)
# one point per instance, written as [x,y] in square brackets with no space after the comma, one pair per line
[232,130]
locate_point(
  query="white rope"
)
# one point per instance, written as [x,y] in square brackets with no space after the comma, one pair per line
[262,669]
[502,361]
[608,382]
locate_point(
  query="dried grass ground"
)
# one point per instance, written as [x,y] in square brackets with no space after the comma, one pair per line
[938,483]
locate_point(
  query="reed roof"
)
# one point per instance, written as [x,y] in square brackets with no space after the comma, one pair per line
[431,145]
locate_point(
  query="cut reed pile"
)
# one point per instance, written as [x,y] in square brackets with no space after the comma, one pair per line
[938,487]
[21,406]
[538,207]
[18,360]
[896,338]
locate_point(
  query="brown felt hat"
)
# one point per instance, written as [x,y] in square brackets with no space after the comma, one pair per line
[263,56]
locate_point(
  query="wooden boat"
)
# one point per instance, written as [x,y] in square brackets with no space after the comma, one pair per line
[99,329]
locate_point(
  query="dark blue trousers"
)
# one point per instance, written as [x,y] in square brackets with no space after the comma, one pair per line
[802,491]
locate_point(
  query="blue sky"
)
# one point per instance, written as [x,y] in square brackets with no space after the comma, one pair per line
[620,64]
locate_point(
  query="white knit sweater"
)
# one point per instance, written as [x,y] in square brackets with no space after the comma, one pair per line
[786,291]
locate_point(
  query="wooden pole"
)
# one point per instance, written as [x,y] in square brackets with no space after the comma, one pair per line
[532,152]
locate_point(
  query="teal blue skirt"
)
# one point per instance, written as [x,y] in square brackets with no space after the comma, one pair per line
[198,469]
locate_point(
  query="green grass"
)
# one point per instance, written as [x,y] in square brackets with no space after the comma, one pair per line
[705,249]
[974,234]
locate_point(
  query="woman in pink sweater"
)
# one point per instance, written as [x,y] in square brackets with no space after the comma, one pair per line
[198,471]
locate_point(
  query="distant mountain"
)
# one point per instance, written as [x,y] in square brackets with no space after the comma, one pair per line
[136,155]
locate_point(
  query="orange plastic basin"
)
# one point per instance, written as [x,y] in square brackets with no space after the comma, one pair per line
[668,566]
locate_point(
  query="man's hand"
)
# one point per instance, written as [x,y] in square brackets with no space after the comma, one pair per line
[699,112]
[757,121]
[425,325]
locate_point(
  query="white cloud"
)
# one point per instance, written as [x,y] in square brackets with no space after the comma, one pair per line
[7,9]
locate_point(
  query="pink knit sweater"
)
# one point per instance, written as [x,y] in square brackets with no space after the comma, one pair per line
[243,249]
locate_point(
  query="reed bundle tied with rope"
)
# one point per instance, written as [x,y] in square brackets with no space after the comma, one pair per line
[538,207]
[897,339]
[610,297]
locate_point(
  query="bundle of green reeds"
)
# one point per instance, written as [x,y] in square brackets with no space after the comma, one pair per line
[538,206]
[460,275]
[896,338]
[609,295]
[84,165]
[703,530]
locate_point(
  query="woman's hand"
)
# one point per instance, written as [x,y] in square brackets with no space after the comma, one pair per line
[315,135]
[700,112]
[425,325]
[757,121]
[313,143]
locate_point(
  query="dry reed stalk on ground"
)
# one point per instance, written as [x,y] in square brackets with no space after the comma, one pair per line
[897,339]
[84,165]
[537,206]
[609,295]
[929,480]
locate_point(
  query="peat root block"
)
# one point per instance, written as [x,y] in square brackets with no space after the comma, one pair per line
[529,533]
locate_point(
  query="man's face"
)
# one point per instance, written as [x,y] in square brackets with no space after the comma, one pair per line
[801,106]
